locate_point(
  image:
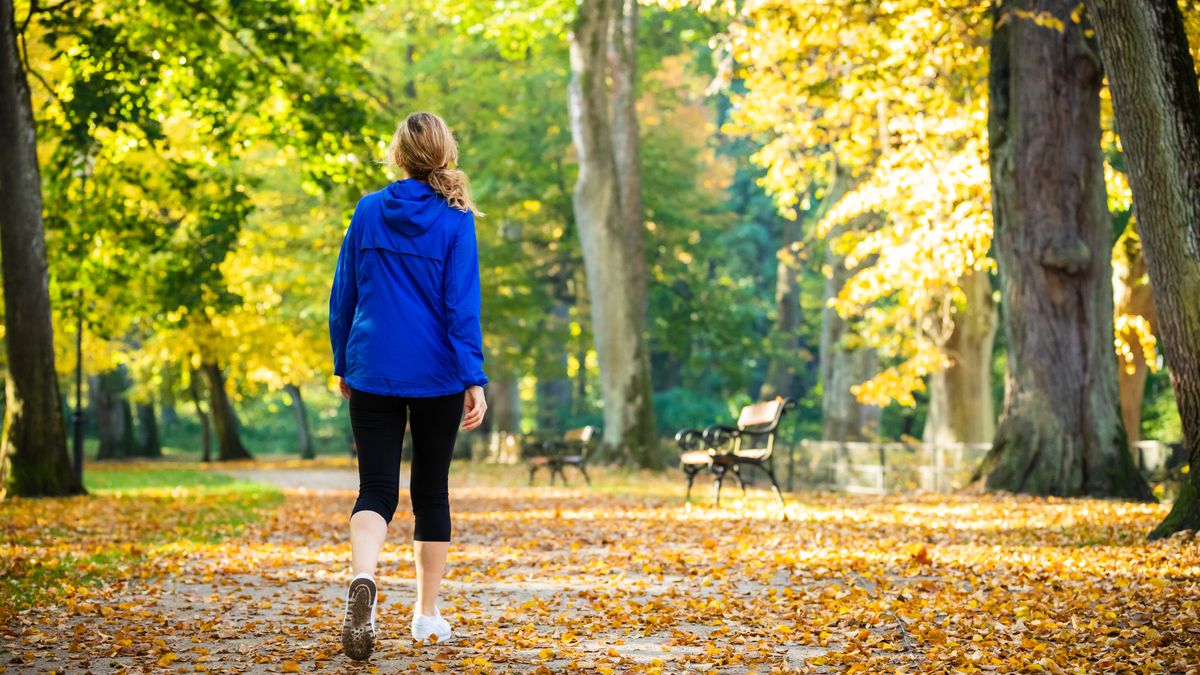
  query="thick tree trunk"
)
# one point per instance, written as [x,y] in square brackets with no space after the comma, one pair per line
[229,441]
[1060,432]
[114,418]
[608,213]
[33,451]
[205,428]
[1153,81]
[149,445]
[960,397]
[1131,295]
[845,362]
[781,378]
[304,439]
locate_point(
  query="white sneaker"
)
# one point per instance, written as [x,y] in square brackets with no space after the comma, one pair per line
[425,626]
[358,628]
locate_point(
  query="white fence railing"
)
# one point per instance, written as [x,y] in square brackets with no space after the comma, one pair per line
[880,468]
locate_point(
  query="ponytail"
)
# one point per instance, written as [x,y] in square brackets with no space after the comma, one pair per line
[424,147]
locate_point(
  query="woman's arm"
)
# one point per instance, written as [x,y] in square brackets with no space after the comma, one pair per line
[462,299]
[343,297]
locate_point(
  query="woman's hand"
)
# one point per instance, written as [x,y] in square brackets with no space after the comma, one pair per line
[474,406]
[344,388]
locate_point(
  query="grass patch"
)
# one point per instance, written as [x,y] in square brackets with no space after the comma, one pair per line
[53,549]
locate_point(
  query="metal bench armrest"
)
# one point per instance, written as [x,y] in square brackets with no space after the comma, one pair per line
[689,439]
[720,434]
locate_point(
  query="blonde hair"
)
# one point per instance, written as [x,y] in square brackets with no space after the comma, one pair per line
[425,148]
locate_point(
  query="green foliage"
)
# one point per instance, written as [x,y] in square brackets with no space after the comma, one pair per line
[1160,413]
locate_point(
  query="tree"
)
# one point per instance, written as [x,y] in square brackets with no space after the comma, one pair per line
[175,105]
[1157,104]
[112,412]
[33,450]
[887,100]
[225,420]
[1060,432]
[607,210]
[149,445]
[960,395]
[304,440]
[1135,323]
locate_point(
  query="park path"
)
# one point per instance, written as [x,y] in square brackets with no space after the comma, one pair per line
[547,580]
[528,577]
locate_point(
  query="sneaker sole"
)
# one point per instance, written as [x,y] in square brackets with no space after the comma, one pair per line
[358,637]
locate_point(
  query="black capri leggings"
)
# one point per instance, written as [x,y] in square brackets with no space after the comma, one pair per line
[378,422]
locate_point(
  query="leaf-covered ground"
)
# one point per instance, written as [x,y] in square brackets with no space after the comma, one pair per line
[619,578]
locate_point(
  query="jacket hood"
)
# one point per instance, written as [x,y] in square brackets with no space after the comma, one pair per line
[410,206]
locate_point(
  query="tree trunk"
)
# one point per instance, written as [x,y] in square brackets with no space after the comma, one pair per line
[33,451]
[114,419]
[608,213]
[229,442]
[845,362]
[149,445]
[553,403]
[960,397]
[205,429]
[1131,296]
[504,402]
[554,389]
[167,414]
[781,378]
[1157,104]
[304,439]
[1060,432]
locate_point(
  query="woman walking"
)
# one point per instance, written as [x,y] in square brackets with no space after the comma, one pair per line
[407,347]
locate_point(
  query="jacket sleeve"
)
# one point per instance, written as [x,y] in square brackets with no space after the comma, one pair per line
[343,297]
[462,298]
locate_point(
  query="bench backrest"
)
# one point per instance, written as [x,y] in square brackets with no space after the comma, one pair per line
[759,422]
[580,435]
[761,417]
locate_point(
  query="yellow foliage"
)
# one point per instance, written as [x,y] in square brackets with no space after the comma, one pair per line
[1132,332]
[888,99]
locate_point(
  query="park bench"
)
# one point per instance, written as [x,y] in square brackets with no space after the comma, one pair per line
[724,449]
[555,454]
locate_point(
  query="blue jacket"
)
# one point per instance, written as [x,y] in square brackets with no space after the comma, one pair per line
[404,307]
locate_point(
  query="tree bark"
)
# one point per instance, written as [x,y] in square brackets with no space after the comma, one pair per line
[553,386]
[205,428]
[1131,295]
[781,378]
[1153,81]
[114,419]
[504,402]
[149,445]
[608,213]
[229,441]
[167,414]
[1060,432]
[845,362]
[960,397]
[33,450]
[304,439]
